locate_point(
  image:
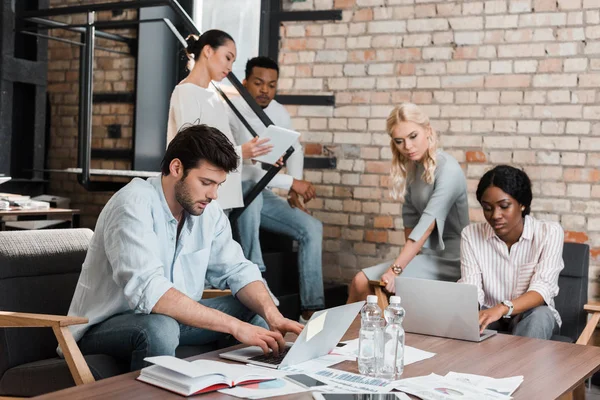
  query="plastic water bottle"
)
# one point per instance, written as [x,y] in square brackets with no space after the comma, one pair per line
[392,365]
[370,338]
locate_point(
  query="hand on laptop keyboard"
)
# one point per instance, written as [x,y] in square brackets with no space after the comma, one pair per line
[256,336]
[271,358]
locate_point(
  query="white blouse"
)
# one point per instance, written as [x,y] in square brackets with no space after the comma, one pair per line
[193,104]
[533,263]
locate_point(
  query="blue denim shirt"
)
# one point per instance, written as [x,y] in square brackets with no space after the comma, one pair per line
[135,257]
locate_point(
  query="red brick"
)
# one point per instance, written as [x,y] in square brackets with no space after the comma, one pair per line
[406,69]
[313,149]
[365,14]
[550,65]
[422,97]
[476,157]
[378,167]
[384,221]
[294,44]
[376,236]
[595,254]
[410,54]
[362,55]
[581,175]
[344,3]
[384,181]
[577,237]
[462,53]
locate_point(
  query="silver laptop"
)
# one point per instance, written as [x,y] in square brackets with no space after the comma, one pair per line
[320,335]
[437,308]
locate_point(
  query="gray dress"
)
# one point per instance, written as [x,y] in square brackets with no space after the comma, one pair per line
[445,202]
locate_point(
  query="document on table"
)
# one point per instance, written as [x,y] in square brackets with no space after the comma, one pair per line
[314,365]
[436,387]
[337,378]
[505,386]
[411,354]
[261,390]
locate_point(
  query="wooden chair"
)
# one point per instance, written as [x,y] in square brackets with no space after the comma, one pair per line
[382,295]
[39,271]
[59,324]
[212,293]
[590,327]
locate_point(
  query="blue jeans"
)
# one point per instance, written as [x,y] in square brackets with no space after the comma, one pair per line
[536,323]
[274,214]
[130,337]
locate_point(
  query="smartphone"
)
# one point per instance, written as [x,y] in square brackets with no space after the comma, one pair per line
[354,396]
[305,380]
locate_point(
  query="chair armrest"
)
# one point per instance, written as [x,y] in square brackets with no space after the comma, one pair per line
[10,319]
[212,293]
[377,283]
[592,307]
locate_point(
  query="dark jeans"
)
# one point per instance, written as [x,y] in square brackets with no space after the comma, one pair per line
[535,323]
[131,337]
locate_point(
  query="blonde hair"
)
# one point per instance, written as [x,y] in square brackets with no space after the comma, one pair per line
[403,169]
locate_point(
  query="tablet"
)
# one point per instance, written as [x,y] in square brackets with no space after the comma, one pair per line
[281,140]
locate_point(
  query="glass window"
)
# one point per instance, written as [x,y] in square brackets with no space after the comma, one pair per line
[239,18]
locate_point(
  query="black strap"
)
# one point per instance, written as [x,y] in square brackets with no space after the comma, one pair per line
[273,170]
[236,111]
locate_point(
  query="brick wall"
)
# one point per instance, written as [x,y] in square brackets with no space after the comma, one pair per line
[113,73]
[504,82]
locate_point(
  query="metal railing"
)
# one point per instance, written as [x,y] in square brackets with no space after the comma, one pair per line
[88,33]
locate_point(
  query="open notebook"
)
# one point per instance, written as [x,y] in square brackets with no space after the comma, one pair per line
[187,378]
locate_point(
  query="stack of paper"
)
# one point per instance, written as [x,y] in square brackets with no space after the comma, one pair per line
[465,386]
[411,354]
[505,386]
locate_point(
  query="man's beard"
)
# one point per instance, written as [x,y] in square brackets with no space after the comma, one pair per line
[183,197]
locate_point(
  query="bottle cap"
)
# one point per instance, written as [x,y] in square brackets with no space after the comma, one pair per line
[394,299]
[372,299]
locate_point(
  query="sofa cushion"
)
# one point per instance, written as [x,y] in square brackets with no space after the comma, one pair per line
[53,374]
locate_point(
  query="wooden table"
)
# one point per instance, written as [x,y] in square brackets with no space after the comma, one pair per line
[33,214]
[550,369]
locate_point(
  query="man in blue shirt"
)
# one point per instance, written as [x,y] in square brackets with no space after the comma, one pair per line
[155,243]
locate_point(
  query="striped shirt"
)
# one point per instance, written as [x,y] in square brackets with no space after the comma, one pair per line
[533,263]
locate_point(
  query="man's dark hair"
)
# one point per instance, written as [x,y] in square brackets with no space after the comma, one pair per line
[261,62]
[510,180]
[195,143]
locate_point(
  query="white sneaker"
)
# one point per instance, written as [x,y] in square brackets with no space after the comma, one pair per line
[275,299]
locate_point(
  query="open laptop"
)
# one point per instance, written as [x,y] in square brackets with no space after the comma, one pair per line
[437,308]
[320,335]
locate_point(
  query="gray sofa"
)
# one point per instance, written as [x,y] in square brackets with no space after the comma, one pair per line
[38,274]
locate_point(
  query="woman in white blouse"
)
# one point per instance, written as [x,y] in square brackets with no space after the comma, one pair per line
[211,58]
[513,258]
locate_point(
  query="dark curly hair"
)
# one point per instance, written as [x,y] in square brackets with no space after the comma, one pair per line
[260,62]
[195,143]
[510,180]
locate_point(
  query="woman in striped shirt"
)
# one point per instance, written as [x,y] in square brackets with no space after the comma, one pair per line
[513,259]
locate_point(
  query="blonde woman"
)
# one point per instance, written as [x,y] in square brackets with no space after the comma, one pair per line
[432,187]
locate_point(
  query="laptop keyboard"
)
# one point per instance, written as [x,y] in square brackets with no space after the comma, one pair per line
[271,358]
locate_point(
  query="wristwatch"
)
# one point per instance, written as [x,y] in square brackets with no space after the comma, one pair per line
[510,306]
[397,269]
